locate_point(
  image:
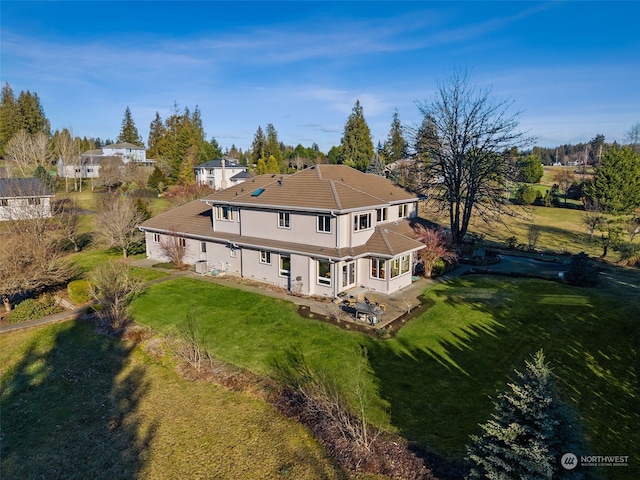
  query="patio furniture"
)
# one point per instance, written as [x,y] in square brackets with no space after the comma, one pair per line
[370,311]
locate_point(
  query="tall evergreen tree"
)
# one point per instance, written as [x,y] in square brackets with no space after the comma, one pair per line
[396,147]
[257,146]
[32,114]
[128,131]
[357,146]
[616,182]
[157,133]
[528,432]
[10,122]
[272,147]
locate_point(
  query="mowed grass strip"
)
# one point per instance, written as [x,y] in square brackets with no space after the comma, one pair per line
[78,405]
[433,381]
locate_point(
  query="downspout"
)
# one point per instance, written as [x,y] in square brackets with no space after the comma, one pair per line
[337,274]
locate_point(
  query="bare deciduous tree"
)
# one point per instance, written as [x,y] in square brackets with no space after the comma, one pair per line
[116,221]
[26,152]
[533,236]
[113,285]
[463,137]
[32,253]
[175,247]
[68,150]
[592,216]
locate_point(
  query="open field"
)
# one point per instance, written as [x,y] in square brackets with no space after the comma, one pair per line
[78,405]
[433,381]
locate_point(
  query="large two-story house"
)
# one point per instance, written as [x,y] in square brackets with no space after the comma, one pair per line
[321,231]
[221,173]
[88,164]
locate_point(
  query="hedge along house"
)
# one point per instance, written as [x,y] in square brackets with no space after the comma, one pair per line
[321,231]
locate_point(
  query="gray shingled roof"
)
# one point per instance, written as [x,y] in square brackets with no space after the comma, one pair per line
[23,187]
[217,163]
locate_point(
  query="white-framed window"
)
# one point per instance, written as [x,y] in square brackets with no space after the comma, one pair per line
[403,210]
[400,265]
[285,265]
[33,200]
[182,241]
[361,221]
[378,268]
[324,272]
[381,214]
[156,238]
[265,257]
[224,213]
[203,247]
[4,202]
[284,220]
[324,223]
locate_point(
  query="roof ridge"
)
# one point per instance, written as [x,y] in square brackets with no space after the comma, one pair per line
[383,234]
[335,194]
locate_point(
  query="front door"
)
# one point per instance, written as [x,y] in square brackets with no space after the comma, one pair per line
[348,275]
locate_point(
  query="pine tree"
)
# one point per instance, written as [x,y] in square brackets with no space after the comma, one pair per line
[528,432]
[157,133]
[10,122]
[272,145]
[257,146]
[396,147]
[32,114]
[357,146]
[187,175]
[128,131]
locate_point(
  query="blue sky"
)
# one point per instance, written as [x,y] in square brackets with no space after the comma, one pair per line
[572,69]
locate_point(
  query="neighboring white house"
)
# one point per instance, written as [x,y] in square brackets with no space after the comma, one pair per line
[221,173]
[24,198]
[89,163]
[321,231]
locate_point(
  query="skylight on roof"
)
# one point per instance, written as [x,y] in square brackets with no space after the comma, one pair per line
[257,192]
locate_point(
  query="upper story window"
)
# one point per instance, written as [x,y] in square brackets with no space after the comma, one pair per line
[324,223]
[284,220]
[381,214]
[400,265]
[33,200]
[265,257]
[224,213]
[362,221]
[403,210]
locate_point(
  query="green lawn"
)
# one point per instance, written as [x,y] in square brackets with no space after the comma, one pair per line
[79,405]
[433,381]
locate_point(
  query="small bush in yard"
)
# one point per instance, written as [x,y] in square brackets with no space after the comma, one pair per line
[32,309]
[79,291]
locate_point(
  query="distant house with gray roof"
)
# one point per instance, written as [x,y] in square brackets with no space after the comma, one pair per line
[321,231]
[23,199]
[221,173]
[88,164]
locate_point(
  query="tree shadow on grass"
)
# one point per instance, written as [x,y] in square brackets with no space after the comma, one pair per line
[69,408]
[439,390]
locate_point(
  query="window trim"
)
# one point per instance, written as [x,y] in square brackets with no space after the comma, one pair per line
[156,238]
[382,214]
[282,272]
[265,257]
[284,220]
[357,221]
[403,210]
[326,281]
[220,213]
[323,224]
[401,261]
[378,268]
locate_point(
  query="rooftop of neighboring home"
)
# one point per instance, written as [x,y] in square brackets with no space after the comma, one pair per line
[322,188]
[217,163]
[23,187]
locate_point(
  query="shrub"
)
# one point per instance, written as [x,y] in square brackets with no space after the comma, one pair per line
[511,242]
[439,268]
[31,309]
[581,271]
[79,291]
[526,195]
